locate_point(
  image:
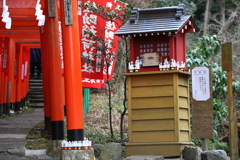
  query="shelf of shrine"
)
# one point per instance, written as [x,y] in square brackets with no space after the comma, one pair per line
[156,72]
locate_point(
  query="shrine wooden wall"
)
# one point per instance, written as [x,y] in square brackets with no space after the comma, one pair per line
[158,112]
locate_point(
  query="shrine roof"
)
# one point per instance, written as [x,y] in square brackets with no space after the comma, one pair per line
[157,20]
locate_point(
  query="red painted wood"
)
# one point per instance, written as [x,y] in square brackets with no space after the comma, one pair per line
[55,83]
[19,70]
[11,69]
[45,73]
[72,66]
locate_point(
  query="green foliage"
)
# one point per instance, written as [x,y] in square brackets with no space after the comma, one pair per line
[192,7]
[207,48]
[218,145]
[219,111]
[102,137]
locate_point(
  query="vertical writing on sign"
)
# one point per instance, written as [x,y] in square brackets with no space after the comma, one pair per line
[51,9]
[200,83]
[5,59]
[68,12]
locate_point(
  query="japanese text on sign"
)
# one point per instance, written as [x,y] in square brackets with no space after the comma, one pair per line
[200,83]
[68,12]
[5,59]
[99,44]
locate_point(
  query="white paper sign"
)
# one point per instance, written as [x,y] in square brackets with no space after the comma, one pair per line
[200,83]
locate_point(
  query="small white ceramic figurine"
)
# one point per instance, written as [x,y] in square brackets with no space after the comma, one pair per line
[131,66]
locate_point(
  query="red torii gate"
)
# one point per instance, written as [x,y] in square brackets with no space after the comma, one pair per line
[25,31]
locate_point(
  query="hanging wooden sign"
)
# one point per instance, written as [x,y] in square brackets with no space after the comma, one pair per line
[227,56]
[202,112]
[68,12]
[51,9]
[151,59]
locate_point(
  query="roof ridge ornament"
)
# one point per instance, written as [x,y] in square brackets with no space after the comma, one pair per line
[181,11]
[134,15]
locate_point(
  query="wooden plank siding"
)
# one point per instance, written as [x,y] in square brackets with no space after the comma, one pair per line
[183,102]
[153,125]
[153,136]
[158,109]
[176,108]
[153,102]
[152,80]
[152,91]
[130,108]
[151,113]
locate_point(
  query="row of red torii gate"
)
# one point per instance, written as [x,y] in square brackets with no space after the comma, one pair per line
[59,28]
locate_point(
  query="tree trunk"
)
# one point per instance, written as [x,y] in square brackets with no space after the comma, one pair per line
[222,9]
[206,17]
[125,108]
[110,105]
[227,25]
[125,91]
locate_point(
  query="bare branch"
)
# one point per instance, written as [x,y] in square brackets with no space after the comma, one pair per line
[229,23]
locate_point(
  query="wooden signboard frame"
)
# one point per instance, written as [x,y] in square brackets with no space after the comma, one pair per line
[202,115]
[227,57]
[151,59]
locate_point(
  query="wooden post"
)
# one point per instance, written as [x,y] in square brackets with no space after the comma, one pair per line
[205,144]
[235,135]
[19,71]
[45,72]
[72,71]
[1,93]
[10,73]
[55,75]
[232,119]
[45,78]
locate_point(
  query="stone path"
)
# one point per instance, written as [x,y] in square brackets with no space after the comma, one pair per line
[13,132]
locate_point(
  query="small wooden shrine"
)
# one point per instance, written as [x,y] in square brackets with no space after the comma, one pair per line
[158,89]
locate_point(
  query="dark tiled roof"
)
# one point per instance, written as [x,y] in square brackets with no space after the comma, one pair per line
[167,19]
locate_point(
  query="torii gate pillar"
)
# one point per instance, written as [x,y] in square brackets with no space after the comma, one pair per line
[55,78]
[72,71]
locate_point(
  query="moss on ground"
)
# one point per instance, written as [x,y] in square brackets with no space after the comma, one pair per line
[34,139]
[26,111]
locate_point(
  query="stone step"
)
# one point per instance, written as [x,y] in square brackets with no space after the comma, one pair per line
[36,105]
[35,89]
[35,80]
[35,93]
[35,84]
[38,96]
[35,100]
